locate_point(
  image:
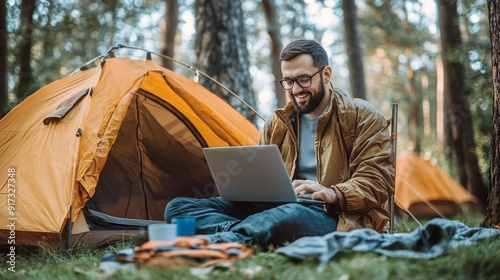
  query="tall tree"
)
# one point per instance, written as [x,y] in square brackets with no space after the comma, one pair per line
[25,45]
[455,91]
[221,50]
[48,41]
[172,22]
[477,42]
[492,217]
[3,60]
[273,29]
[415,97]
[353,49]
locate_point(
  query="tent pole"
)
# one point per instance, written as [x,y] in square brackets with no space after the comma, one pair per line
[148,57]
[78,135]
[70,227]
[394,138]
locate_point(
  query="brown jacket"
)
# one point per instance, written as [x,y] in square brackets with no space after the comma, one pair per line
[354,157]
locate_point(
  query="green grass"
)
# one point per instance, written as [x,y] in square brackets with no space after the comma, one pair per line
[479,261]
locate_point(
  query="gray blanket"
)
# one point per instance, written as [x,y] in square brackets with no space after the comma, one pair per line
[429,241]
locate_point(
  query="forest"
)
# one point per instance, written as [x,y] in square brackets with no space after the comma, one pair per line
[431,57]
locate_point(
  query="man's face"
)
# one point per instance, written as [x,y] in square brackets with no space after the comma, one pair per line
[305,100]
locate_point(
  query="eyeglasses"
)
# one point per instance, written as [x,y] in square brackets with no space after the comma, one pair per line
[303,81]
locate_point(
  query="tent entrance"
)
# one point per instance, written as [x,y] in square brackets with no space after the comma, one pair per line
[155,158]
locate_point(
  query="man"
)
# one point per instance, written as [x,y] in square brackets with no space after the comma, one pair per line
[334,147]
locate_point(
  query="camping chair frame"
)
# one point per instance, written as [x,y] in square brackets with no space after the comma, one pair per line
[394,140]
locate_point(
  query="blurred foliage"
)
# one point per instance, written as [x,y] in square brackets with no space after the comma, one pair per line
[390,29]
[479,78]
[69,33]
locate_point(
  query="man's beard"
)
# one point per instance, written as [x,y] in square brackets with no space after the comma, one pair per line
[313,102]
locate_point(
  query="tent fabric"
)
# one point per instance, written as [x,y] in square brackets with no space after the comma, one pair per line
[66,106]
[99,238]
[122,139]
[418,183]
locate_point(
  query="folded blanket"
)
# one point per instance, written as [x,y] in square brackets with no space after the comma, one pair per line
[430,241]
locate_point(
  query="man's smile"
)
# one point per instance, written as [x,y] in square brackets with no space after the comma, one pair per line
[300,97]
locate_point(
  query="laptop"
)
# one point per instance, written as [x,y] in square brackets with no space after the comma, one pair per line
[252,174]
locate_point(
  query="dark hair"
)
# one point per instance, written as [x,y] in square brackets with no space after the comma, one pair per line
[303,46]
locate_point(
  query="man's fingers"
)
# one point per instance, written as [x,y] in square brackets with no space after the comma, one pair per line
[325,194]
[306,186]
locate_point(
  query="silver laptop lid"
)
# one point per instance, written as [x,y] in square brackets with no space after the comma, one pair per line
[250,173]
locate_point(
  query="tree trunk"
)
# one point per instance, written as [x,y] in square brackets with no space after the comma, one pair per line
[415,98]
[353,49]
[222,51]
[25,71]
[458,111]
[273,28]
[492,217]
[440,115]
[172,22]
[48,40]
[415,106]
[3,61]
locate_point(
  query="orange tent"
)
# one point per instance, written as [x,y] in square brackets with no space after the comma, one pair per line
[116,142]
[427,191]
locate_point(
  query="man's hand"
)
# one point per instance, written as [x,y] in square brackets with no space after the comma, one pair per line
[318,191]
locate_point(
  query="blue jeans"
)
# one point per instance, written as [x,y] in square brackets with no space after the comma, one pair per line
[257,223]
